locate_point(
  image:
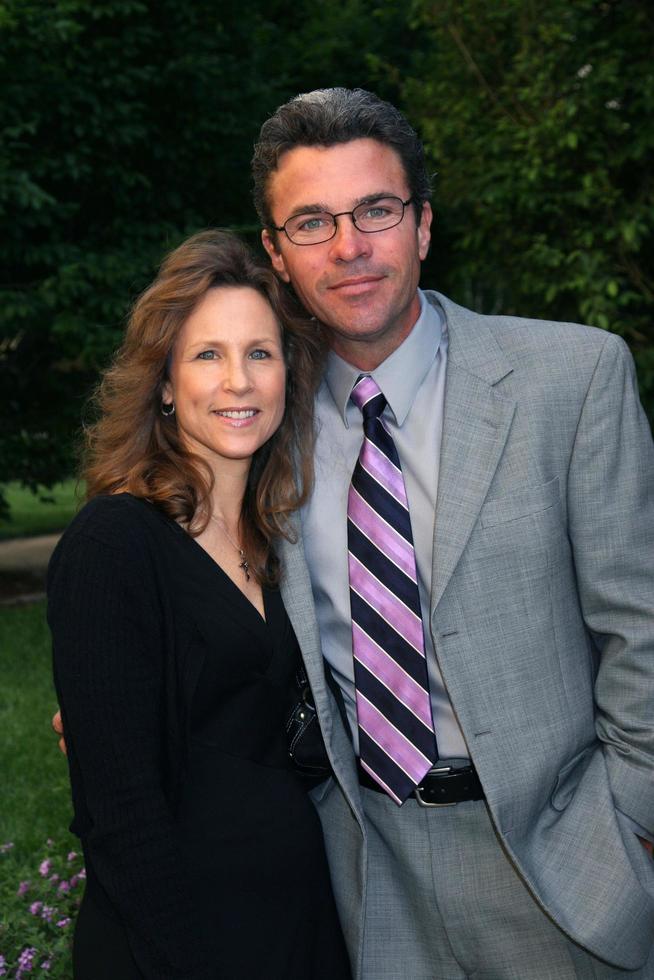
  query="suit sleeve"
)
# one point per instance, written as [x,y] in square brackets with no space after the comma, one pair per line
[108,663]
[611,515]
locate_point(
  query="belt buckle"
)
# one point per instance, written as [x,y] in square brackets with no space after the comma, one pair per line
[419,798]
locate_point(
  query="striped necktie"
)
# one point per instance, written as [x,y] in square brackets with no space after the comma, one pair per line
[396,733]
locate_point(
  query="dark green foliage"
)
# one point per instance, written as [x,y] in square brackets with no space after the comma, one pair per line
[124,125]
[127,124]
[539,122]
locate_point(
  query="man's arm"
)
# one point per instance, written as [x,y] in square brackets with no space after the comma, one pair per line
[611,521]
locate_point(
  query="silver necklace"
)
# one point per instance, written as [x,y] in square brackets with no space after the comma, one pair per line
[244,564]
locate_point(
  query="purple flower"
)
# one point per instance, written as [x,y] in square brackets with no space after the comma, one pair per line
[6,847]
[46,964]
[64,922]
[82,874]
[74,881]
[63,887]
[22,888]
[48,912]
[71,855]
[26,959]
[36,907]
[3,964]
[54,878]
[49,842]
[44,868]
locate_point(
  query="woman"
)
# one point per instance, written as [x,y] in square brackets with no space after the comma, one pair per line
[173,655]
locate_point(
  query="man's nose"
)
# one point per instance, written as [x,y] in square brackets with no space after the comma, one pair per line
[349,243]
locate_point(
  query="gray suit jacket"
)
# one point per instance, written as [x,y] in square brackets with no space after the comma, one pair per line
[542,614]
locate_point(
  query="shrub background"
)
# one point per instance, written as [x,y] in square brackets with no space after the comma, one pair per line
[125,125]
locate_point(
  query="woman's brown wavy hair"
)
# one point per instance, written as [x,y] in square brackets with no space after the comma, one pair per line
[132,447]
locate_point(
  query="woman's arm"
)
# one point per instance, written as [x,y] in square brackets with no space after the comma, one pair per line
[108,648]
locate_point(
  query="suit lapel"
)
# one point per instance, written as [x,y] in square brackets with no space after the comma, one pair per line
[298,600]
[476,423]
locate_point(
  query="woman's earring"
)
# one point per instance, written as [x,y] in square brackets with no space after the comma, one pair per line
[167,409]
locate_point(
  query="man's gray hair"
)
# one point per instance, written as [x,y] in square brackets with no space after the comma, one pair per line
[326,117]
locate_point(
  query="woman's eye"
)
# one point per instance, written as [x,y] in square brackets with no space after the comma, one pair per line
[259,354]
[207,355]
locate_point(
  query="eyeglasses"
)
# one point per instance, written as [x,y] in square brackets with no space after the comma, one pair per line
[316,227]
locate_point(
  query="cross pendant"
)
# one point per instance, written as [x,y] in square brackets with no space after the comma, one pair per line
[244,565]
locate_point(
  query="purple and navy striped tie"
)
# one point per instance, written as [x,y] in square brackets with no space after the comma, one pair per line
[397,743]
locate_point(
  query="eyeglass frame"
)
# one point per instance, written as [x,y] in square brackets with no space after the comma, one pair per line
[340,214]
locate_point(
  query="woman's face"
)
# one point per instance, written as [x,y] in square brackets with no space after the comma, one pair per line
[228,376]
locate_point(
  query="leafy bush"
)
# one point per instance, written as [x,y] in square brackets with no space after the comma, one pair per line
[39,912]
[538,121]
[137,127]
[132,132]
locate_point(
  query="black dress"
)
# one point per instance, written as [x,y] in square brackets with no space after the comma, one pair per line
[235,885]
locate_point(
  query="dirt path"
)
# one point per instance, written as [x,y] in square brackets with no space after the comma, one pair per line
[23,562]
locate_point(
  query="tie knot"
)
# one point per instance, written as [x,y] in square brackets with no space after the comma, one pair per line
[368,397]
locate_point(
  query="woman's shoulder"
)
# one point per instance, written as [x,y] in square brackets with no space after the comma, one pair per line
[117,523]
[116,546]
[109,513]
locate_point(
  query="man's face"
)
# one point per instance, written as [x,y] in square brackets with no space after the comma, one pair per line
[362,287]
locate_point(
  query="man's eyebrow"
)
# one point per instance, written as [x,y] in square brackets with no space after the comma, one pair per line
[307,209]
[316,208]
[371,198]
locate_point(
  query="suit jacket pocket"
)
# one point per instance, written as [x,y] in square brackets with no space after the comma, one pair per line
[641,862]
[521,503]
[569,777]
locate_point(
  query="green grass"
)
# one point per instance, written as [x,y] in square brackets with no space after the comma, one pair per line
[45,513]
[35,807]
[35,800]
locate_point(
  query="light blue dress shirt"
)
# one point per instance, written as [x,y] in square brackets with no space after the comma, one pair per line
[413,382]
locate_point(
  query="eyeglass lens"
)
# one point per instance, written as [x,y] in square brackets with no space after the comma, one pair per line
[320,226]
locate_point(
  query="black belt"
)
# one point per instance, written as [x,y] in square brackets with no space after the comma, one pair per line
[440,787]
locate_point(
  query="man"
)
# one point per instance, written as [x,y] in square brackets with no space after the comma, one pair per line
[527,467]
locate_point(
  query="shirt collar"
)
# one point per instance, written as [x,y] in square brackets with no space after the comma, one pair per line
[403,371]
